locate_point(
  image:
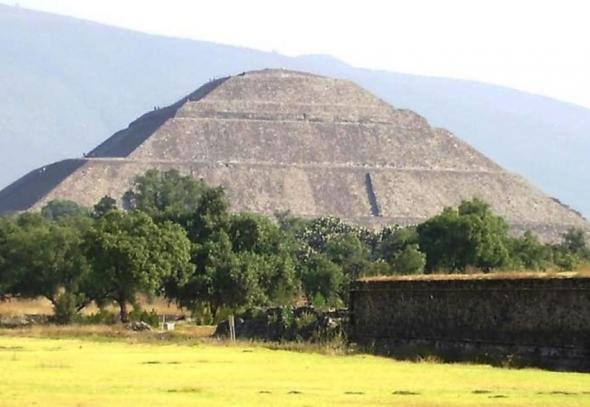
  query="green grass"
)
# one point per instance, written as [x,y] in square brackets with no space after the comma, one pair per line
[81,372]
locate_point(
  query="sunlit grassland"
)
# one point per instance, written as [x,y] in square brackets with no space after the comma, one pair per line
[83,372]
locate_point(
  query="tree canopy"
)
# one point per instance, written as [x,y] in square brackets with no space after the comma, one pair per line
[178,239]
[132,254]
[164,195]
[468,236]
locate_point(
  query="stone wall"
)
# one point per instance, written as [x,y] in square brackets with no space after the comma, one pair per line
[534,319]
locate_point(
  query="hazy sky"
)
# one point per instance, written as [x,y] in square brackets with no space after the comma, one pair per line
[538,46]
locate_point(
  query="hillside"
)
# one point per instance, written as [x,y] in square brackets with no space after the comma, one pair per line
[69,84]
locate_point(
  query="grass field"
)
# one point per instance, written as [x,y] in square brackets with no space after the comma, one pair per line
[101,371]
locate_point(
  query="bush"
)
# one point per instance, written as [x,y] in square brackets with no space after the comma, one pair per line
[202,314]
[318,301]
[529,253]
[305,320]
[378,268]
[322,276]
[288,324]
[467,236]
[409,261]
[101,317]
[64,309]
[565,260]
[138,315]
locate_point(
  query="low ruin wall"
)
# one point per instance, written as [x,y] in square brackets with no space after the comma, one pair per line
[533,319]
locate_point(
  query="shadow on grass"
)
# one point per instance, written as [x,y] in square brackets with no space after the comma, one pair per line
[561,393]
[186,390]
[11,348]
[405,393]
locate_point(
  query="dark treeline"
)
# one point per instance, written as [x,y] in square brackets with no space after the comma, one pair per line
[176,238]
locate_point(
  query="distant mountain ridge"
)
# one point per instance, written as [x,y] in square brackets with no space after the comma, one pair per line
[68,84]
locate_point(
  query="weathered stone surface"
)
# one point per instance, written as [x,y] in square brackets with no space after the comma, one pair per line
[542,319]
[282,140]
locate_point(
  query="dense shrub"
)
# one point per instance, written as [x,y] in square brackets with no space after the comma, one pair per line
[409,261]
[468,236]
[288,324]
[64,309]
[101,317]
[149,317]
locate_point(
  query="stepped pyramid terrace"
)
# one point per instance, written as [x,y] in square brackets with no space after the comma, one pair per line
[281,140]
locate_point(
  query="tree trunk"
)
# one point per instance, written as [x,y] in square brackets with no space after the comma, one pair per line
[123,307]
[213,309]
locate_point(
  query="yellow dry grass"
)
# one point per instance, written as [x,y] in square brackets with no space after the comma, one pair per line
[42,306]
[505,275]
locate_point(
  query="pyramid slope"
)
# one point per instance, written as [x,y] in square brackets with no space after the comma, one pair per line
[282,140]
[288,117]
[122,143]
[403,196]
[31,189]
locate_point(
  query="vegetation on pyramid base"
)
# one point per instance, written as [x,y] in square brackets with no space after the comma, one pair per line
[177,239]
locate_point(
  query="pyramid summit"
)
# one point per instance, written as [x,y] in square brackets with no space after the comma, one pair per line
[282,140]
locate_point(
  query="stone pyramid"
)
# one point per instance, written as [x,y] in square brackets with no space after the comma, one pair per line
[282,140]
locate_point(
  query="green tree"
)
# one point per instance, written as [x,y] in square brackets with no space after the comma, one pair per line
[164,195]
[210,216]
[237,281]
[409,260]
[212,253]
[257,235]
[59,209]
[46,258]
[291,225]
[319,231]
[470,235]
[223,278]
[399,248]
[351,254]
[130,253]
[240,260]
[7,229]
[209,257]
[105,205]
[394,241]
[574,241]
[322,279]
[528,253]
[563,258]
[445,239]
[280,282]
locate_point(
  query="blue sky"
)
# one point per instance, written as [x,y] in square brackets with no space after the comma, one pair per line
[537,46]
